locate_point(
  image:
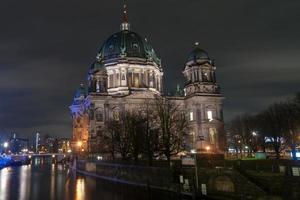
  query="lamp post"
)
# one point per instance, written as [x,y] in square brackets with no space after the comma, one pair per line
[207,148]
[196,169]
[5,146]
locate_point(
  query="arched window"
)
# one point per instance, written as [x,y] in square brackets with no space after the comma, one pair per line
[116,114]
[99,114]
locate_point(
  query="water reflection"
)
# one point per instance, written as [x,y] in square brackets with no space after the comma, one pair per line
[24,187]
[4,180]
[45,181]
[80,189]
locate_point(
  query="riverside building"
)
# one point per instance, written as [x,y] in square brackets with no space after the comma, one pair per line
[126,73]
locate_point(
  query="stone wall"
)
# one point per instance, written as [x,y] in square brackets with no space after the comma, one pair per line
[224,183]
[288,187]
[139,175]
[220,183]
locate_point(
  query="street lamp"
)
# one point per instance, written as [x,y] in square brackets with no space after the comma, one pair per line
[193,151]
[207,148]
[79,143]
[5,145]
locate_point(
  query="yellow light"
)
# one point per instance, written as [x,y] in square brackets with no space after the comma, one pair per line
[53,156]
[79,143]
[208,148]
[82,149]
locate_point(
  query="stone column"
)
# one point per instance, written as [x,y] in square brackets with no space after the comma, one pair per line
[200,74]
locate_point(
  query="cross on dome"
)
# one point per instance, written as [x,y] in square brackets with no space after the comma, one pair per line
[125,26]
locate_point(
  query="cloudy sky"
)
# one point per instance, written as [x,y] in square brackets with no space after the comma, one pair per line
[46,48]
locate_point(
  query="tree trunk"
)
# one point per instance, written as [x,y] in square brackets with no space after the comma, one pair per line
[293,146]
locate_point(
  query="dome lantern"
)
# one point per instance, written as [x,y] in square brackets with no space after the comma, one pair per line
[125,24]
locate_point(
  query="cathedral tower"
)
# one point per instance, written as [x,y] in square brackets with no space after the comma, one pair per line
[203,102]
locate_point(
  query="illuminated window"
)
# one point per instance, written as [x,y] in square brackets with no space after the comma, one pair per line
[191,116]
[209,115]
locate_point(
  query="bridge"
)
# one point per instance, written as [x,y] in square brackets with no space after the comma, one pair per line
[55,157]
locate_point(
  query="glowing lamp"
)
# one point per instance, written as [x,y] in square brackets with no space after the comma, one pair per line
[99,157]
[193,151]
[79,143]
[5,144]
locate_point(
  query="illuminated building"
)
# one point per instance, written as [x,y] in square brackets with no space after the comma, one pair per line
[126,73]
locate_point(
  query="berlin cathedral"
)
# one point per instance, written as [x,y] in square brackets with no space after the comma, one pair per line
[126,72]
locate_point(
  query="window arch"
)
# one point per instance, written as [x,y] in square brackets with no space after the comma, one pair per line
[99,114]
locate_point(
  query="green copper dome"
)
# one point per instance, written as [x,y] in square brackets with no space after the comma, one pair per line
[80,94]
[127,44]
[198,54]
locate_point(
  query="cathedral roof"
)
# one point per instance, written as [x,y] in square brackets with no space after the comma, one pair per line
[127,44]
[198,54]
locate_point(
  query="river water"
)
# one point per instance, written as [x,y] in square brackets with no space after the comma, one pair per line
[43,181]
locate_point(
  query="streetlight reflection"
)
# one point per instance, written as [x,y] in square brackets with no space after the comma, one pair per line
[25,176]
[80,189]
[4,183]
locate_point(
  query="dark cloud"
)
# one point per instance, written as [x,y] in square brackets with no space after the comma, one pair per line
[46,48]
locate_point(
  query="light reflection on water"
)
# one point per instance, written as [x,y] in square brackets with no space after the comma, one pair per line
[80,189]
[25,176]
[45,181]
[42,181]
[4,180]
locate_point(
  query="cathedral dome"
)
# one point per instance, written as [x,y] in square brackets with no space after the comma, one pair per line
[198,54]
[127,44]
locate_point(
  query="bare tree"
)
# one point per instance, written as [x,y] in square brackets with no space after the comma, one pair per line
[241,130]
[291,122]
[109,137]
[150,131]
[272,124]
[172,124]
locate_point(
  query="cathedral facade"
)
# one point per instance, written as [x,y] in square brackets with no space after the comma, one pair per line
[126,73]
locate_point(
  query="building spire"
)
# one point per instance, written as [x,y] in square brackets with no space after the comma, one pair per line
[125,24]
[125,15]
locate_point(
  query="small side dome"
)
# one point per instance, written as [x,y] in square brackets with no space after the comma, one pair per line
[198,54]
[80,94]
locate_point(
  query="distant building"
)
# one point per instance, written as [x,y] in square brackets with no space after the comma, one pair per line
[57,145]
[17,145]
[126,73]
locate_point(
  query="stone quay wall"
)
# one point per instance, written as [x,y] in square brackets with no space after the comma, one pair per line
[220,183]
[129,174]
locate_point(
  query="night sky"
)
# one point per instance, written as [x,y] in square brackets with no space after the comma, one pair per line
[46,48]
